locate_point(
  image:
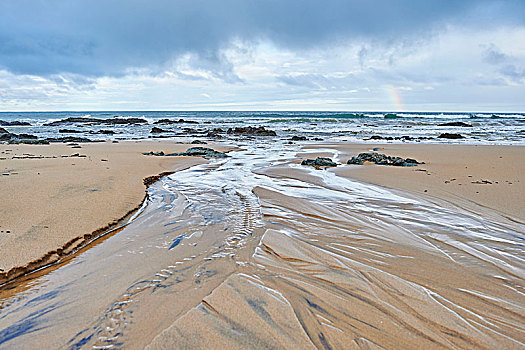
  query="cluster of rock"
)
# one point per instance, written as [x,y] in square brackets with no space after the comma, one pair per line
[251,131]
[171,121]
[398,138]
[193,151]
[319,162]
[34,140]
[382,159]
[97,121]
[14,123]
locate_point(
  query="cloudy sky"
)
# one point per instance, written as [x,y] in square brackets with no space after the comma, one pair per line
[376,55]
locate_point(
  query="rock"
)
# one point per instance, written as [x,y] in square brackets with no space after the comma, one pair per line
[200,151]
[75,120]
[298,138]
[68,139]
[382,159]
[105,132]
[4,131]
[252,131]
[153,153]
[69,131]
[319,161]
[450,136]
[198,142]
[462,124]
[156,130]
[215,132]
[93,121]
[14,123]
[171,121]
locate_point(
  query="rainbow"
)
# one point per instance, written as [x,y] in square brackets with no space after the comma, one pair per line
[395,97]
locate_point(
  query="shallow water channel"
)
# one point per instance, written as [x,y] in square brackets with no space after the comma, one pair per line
[255,251]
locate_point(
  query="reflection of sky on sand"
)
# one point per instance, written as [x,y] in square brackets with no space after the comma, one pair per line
[255,251]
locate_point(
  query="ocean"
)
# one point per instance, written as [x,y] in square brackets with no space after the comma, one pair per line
[474,128]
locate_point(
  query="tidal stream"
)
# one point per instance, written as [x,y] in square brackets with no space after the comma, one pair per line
[254,251]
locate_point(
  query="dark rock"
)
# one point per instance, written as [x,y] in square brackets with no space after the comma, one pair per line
[215,132]
[198,142]
[450,136]
[68,139]
[153,153]
[4,131]
[171,121]
[92,121]
[200,151]
[75,120]
[14,123]
[299,138]
[319,161]
[69,131]
[156,130]
[462,124]
[382,159]
[105,132]
[26,136]
[251,131]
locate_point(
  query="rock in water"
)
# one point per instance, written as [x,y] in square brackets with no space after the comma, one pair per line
[156,130]
[250,130]
[319,161]
[450,136]
[382,159]
[464,125]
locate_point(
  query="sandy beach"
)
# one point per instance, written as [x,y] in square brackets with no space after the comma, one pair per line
[53,194]
[348,257]
[491,176]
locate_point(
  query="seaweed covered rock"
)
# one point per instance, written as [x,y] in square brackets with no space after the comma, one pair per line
[382,159]
[171,121]
[156,130]
[193,151]
[319,161]
[251,131]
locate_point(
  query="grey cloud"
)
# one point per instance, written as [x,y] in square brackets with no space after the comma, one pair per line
[493,55]
[109,37]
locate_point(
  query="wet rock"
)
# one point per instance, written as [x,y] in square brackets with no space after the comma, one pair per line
[198,142]
[69,131]
[4,131]
[251,131]
[382,159]
[68,139]
[299,138]
[215,132]
[171,121]
[156,130]
[153,153]
[450,136]
[200,151]
[14,123]
[104,132]
[98,121]
[461,124]
[319,161]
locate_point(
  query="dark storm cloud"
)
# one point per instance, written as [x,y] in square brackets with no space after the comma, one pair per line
[105,37]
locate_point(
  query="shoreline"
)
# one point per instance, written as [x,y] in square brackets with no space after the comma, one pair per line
[54,204]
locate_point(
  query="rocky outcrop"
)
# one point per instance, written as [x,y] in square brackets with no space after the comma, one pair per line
[97,121]
[461,124]
[251,131]
[156,130]
[298,138]
[450,136]
[382,159]
[14,123]
[193,151]
[171,121]
[319,161]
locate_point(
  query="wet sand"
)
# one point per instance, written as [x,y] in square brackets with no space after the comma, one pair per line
[256,251]
[491,176]
[53,194]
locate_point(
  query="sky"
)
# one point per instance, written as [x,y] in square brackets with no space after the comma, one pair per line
[331,55]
